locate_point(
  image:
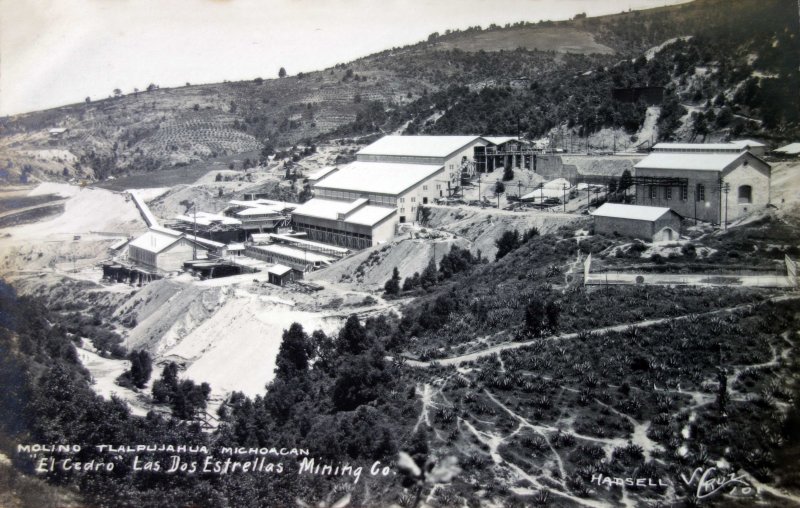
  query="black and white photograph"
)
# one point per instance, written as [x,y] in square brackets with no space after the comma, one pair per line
[399,254]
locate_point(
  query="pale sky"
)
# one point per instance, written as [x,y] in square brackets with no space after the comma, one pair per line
[56,52]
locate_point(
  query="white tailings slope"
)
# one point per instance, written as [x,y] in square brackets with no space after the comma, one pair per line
[236,350]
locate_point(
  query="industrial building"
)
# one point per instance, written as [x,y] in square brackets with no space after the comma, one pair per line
[504,151]
[709,186]
[744,145]
[449,152]
[318,175]
[360,205]
[650,223]
[302,260]
[280,275]
[161,250]
[260,215]
[213,226]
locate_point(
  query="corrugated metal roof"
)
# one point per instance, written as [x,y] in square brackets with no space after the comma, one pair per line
[206,219]
[155,241]
[378,177]
[368,215]
[299,254]
[697,147]
[635,212]
[744,143]
[322,173]
[689,161]
[499,140]
[419,146]
[259,210]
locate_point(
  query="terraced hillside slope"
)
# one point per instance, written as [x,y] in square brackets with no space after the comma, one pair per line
[543,79]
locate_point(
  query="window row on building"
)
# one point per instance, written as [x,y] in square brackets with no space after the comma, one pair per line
[375,199]
[744,194]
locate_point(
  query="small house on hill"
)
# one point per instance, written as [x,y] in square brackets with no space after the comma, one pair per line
[281,274]
[649,223]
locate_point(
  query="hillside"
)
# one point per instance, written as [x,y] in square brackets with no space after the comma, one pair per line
[547,78]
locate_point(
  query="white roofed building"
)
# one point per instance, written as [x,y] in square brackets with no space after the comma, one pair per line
[448,152]
[318,175]
[162,250]
[749,145]
[709,186]
[650,223]
[360,205]
[259,215]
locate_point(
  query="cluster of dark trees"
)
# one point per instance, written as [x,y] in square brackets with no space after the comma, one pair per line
[139,373]
[185,398]
[511,240]
[456,261]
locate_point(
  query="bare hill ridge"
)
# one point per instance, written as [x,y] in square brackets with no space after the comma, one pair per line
[531,76]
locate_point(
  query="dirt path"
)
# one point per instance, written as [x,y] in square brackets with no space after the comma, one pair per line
[469,357]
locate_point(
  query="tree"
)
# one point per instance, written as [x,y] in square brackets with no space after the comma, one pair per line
[552,311]
[184,397]
[164,387]
[499,187]
[625,181]
[411,282]
[87,100]
[282,73]
[352,338]
[117,92]
[533,231]
[534,318]
[141,368]
[294,354]
[392,286]
[507,242]
[429,275]
[508,174]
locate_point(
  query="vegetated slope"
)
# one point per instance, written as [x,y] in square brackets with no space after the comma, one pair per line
[746,44]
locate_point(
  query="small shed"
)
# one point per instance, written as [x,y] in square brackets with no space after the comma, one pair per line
[649,223]
[281,274]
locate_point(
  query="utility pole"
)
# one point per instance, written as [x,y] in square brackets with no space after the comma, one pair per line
[194,242]
[726,188]
[564,196]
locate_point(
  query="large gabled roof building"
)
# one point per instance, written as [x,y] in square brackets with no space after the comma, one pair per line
[162,250]
[712,186]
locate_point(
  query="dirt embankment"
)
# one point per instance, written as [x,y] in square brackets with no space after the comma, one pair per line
[466,227]
[371,268]
[483,227]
